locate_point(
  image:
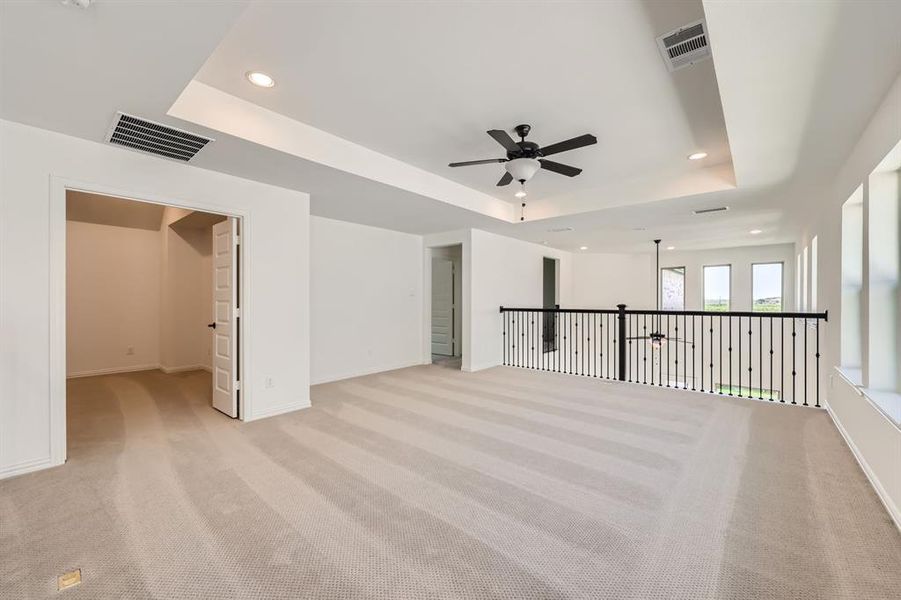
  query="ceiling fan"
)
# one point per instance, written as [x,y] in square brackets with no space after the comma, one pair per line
[525,158]
[656,338]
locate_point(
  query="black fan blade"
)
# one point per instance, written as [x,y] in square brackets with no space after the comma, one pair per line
[506,179]
[503,138]
[559,168]
[576,142]
[487,161]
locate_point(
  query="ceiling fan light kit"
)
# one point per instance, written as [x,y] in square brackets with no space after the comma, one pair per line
[522,169]
[524,159]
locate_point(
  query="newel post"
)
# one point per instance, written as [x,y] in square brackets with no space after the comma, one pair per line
[621,342]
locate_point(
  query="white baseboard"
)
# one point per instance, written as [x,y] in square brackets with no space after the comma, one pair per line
[136,368]
[369,371]
[27,466]
[476,368]
[279,409]
[893,510]
[183,369]
[112,371]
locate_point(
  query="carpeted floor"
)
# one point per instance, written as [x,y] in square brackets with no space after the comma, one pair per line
[432,483]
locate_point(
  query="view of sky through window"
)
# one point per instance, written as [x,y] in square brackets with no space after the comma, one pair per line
[767,287]
[717,280]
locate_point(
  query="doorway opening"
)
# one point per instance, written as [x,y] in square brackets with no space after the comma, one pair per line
[549,299]
[447,306]
[153,306]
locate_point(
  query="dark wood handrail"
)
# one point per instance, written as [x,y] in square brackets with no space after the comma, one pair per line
[696,313]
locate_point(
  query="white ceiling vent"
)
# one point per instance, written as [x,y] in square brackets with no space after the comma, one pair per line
[155,138]
[684,46]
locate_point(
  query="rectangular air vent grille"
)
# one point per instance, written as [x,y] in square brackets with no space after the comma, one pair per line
[684,46]
[155,138]
[705,211]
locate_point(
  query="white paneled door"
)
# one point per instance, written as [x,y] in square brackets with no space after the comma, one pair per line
[442,306]
[225,330]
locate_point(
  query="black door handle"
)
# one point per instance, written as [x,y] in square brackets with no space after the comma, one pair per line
[212,325]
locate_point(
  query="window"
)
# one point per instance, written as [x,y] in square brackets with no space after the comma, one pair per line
[717,284]
[813,274]
[766,287]
[852,283]
[672,288]
[805,294]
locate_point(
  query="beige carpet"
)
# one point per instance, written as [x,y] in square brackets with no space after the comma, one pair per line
[431,483]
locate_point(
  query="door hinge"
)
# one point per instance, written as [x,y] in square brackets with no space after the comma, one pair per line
[238,313]
[237,239]
[237,385]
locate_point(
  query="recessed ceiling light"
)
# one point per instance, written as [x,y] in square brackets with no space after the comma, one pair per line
[670,247]
[756,231]
[583,247]
[560,229]
[260,79]
[697,156]
[544,242]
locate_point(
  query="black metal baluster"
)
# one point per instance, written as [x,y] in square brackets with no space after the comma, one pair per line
[701,331]
[582,339]
[730,355]
[659,351]
[770,319]
[629,343]
[804,324]
[794,369]
[817,327]
[712,389]
[738,366]
[719,321]
[760,356]
[504,328]
[676,364]
[515,338]
[577,337]
[693,372]
[782,355]
[684,351]
[750,393]
[637,348]
[604,372]
[644,351]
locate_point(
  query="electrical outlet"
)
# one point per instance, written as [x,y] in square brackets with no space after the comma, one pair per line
[269,383]
[130,351]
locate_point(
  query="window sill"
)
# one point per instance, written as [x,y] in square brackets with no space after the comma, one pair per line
[887,402]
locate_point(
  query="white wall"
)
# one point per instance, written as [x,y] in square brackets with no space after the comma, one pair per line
[605,280]
[34,163]
[113,302]
[505,272]
[365,298]
[875,441]
[144,291]
[185,294]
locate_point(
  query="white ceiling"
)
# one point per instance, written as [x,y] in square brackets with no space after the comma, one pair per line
[422,82]
[422,86]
